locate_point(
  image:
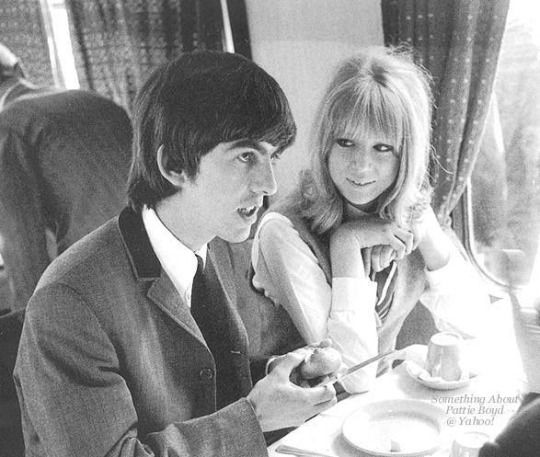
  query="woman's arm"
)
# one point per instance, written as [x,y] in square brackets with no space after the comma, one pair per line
[289,273]
[433,243]
[456,295]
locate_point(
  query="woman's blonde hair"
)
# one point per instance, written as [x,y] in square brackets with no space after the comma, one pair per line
[377,90]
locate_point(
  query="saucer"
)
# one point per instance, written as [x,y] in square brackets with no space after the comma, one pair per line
[420,374]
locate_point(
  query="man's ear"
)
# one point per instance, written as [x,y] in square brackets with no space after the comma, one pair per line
[176,178]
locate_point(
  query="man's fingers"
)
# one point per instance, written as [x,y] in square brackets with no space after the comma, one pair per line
[320,394]
[285,364]
[325,405]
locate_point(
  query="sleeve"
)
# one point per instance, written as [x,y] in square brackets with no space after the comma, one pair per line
[289,274]
[23,244]
[75,400]
[456,296]
[519,437]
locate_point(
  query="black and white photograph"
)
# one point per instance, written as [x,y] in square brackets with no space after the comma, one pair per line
[266,228]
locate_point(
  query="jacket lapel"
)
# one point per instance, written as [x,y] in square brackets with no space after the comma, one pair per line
[148,271]
[163,293]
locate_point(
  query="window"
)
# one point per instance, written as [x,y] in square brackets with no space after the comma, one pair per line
[504,193]
[56,24]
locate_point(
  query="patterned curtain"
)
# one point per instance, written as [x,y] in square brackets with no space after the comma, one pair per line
[458,42]
[118,43]
[23,32]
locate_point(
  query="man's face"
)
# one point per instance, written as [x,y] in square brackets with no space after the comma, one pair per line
[224,197]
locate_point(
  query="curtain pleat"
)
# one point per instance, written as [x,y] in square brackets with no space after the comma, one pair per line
[117,43]
[21,25]
[458,42]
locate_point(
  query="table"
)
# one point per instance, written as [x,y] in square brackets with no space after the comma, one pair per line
[485,404]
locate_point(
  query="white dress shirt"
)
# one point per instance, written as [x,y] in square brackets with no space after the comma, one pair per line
[288,272]
[178,261]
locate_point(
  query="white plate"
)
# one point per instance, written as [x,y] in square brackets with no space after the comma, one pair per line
[419,374]
[395,428]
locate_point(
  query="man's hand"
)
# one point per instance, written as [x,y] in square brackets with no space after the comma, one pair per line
[321,361]
[278,403]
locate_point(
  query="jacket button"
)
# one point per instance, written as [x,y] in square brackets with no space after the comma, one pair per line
[206,374]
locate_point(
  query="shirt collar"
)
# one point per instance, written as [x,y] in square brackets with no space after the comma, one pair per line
[178,261]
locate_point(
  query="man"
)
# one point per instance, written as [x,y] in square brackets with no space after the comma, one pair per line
[130,344]
[64,160]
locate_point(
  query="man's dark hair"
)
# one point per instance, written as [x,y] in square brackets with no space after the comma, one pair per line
[190,105]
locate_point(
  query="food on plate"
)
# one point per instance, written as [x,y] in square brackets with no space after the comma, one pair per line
[395,446]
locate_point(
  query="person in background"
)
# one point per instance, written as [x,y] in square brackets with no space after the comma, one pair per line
[131,345]
[64,160]
[354,248]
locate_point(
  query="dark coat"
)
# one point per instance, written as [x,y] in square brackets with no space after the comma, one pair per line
[64,160]
[112,363]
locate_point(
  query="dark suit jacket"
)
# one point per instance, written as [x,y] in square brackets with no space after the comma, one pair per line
[520,437]
[112,363]
[64,159]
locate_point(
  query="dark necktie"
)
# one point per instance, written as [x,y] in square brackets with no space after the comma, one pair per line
[198,288]
[201,303]
[211,316]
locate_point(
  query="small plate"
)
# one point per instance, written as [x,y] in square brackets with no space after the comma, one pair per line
[419,374]
[395,428]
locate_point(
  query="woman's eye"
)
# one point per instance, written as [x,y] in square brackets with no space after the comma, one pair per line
[247,157]
[381,147]
[344,143]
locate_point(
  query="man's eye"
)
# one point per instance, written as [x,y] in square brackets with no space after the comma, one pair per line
[344,143]
[247,157]
[276,155]
[381,147]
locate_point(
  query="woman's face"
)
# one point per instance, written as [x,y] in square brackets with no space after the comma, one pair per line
[363,169]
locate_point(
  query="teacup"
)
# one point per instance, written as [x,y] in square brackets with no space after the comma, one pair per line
[445,358]
[468,444]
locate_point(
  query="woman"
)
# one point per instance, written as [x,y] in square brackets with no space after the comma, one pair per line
[350,253]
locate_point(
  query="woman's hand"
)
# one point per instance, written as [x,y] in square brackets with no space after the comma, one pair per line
[377,258]
[358,246]
[425,224]
[372,231]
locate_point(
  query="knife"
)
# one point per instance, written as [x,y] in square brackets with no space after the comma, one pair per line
[357,367]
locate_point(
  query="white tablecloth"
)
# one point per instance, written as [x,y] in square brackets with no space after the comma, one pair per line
[485,404]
